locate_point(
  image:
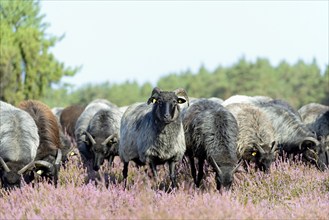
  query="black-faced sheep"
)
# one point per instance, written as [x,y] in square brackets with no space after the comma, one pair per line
[211,134]
[82,124]
[102,136]
[153,134]
[316,117]
[256,143]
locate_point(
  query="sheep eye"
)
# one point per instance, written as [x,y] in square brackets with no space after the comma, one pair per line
[253,153]
[154,100]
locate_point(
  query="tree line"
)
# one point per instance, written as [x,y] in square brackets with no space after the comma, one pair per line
[298,83]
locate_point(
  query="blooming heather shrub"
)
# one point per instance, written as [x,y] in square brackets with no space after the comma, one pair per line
[290,191]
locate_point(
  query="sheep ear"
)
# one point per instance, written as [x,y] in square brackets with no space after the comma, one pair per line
[154,96]
[180,92]
[151,100]
[181,100]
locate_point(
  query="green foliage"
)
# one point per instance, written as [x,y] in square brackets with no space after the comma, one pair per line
[27,67]
[299,84]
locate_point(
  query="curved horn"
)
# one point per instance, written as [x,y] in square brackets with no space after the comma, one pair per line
[25,168]
[4,165]
[43,163]
[237,166]
[308,139]
[260,149]
[92,140]
[274,147]
[59,156]
[182,92]
[109,138]
[218,171]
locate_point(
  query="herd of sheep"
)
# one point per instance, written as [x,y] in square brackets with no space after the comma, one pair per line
[241,130]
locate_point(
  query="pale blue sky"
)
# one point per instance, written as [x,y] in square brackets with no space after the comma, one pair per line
[117,41]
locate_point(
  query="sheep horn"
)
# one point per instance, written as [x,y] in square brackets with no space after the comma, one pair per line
[93,142]
[109,138]
[43,163]
[260,149]
[316,142]
[4,165]
[218,171]
[237,166]
[274,147]
[182,92]
[25,168]
[59,156]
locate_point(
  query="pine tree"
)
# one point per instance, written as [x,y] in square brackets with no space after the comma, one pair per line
[27,67]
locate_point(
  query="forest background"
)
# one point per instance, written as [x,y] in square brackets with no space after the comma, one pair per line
[28,70]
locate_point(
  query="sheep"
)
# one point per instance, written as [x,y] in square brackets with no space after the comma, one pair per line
[211,134]
[68,119]
[49,149]
[19,141]
[292,136]
[245,99]
[102,136]
[153,134]
[256,141]
[82,123]
[316,117]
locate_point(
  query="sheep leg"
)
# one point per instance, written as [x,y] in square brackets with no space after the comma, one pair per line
[154,169]
[172,174]
[111,160]
[125,172]
[193,171]
[200,172]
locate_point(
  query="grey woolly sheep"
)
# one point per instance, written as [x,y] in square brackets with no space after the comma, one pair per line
[82,123]
[19,141]
[211,134]
[102,138]
[153,134]
[256,141]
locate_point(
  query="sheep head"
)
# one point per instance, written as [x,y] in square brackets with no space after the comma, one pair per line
[166,104]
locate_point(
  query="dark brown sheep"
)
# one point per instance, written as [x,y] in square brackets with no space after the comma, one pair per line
[48,130]
[69,117]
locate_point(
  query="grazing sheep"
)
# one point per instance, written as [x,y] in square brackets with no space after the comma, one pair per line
[82,123]
[153,134]
[293,137]
[19,141]
[49,149]
[102,136]
[256,142]
[316,117]
[211,134]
